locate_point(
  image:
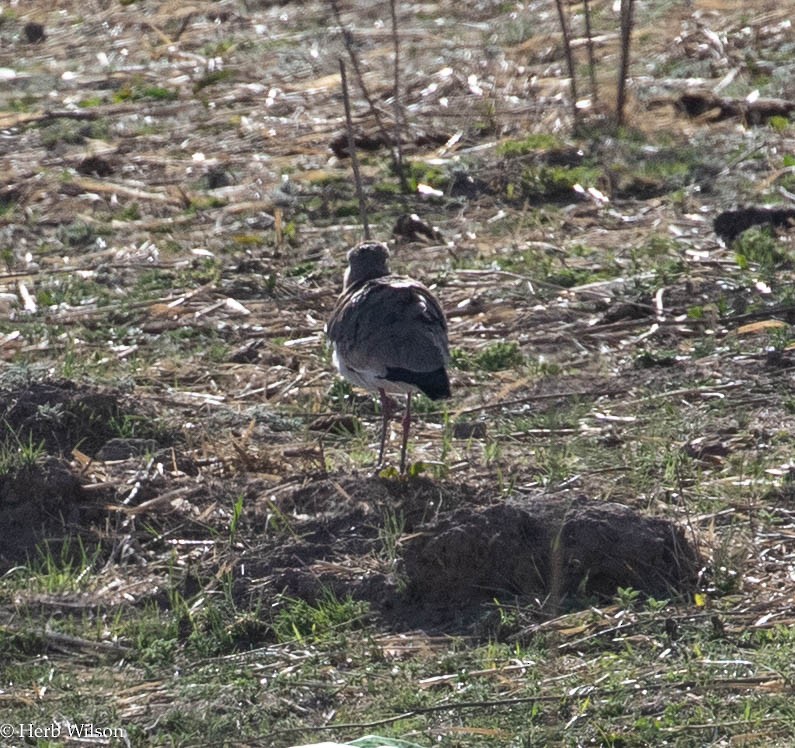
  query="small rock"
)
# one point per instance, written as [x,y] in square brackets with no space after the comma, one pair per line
[470,430]
[34,32]
[336,424]
[124,449]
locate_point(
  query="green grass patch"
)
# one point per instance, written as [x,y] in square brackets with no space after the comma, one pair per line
[548,182]
[420,172]
[139,91]
[72,132]
[18,452]
[328,617]
[759,246]
[212,78]
[533,143]
[496,356]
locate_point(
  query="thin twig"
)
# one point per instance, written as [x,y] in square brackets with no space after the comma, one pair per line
[347,40]
[423,710]
[623,68]
[398,149]
[589,46]
[562,698]
[56,638]
[564,30]
[540,397]
[352,149]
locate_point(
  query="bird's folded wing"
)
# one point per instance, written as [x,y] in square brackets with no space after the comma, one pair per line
[390,322]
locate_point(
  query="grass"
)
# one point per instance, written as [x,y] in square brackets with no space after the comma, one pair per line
[494,357]
[635,672]
[72,133]
[65,569]
[634,699]
[305,622]
[19,453]
[551,182]
[530,144]
[139,91]
[758,246]
[205,592]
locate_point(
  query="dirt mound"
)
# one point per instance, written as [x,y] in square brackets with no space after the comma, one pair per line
[41,496]
[61,416]
[430,553]
[421,551]
[549,546]
[38,503]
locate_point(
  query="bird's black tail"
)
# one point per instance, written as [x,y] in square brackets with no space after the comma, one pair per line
[434,384]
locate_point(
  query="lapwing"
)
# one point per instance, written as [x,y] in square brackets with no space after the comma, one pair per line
[389,336]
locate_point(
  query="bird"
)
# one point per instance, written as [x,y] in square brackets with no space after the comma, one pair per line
[389,336]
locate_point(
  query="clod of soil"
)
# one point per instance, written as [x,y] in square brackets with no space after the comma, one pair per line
[363,141]
[96,166]
[458,549]
[548,546]
[731,223]
[410,227]
[62,415]
[34,32]
[41,495]
[37,503]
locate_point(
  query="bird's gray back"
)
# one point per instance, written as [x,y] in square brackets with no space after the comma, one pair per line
[390,322]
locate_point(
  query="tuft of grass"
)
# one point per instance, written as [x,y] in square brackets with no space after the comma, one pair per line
[531,144]
[211,78]
[499,356]
[19,453]
[77,234]
[430,174]
[234,520]
[551,182]
[390,532]
[62,569]
[778,123]
[758,245]
[328,617]
[142,92]
[627,598]
[90,102]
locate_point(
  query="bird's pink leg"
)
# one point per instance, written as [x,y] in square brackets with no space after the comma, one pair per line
[388,408]
[405,441]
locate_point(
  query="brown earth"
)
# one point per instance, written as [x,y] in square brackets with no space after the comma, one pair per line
[184,183]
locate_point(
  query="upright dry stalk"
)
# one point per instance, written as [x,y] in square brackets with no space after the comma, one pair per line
[591,60]
[352,150]
[398,151]
[623,68]
[347,39]
[564,30]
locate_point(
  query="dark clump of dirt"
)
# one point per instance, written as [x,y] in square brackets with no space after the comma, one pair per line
[62,416]
[548,546]
[346,518]
[38,503]
[451,550]
[730,224]
[41,495]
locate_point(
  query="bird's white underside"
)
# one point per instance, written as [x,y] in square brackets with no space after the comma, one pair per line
[371,380]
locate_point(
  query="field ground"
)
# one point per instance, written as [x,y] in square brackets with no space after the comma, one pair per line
[595,545]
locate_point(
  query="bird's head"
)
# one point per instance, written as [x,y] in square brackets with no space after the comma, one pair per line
[366,261]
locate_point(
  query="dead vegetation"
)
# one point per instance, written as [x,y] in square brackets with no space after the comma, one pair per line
[595,544]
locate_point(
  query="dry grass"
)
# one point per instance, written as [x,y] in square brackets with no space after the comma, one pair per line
[172,234]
